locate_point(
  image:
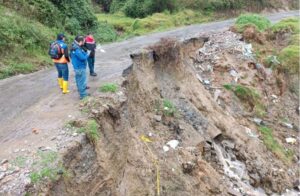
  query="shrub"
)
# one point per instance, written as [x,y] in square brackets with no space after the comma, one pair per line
[105,33]
[289,58]
[290,25]
[73,26]
[116,5]
[260,22]
[142,8]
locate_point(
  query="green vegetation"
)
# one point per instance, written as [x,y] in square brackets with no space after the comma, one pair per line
[46,167]
[23,44]
[143,8]
[289,57]
[169,108]
[287,25]
[274,146]
[91,131]
[20,161]
[109,87]
[261,23]
[228,86]
[249,96]
[129,27]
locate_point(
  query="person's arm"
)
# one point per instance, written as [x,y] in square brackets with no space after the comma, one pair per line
[81,54]
[66,53]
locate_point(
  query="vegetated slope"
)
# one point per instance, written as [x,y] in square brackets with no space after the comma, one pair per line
[27,27]
[24,43]
[142,8]
[165,102]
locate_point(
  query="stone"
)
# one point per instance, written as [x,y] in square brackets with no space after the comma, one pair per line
[233,192]
[288,125]
[206,82]
[290,140]
[4,161]
[2,175]
[173,143]
[44,148]
[75,134]
[258,121]
[217,93]
[3,168]
[296,185]
[166,148]
[157,118]
[59,138]
[228,144]
[94,111]
[16,150]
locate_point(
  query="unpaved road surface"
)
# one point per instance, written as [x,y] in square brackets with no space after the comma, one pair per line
[34,102]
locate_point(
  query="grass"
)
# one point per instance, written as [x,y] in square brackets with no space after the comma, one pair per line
[45,173]
[109,87]
[169,108]
[248,96]
[228,86]
[20,161]
[260,22]
[289,58]
[129,27]
[274,146]
[287,25]
[91,131]
[45,168]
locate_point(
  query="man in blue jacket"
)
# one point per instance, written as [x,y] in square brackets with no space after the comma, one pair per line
[79,60]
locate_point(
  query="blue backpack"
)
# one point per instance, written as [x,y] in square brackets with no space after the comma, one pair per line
[55,51]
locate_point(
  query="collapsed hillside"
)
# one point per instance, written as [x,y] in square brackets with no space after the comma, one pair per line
[167,133]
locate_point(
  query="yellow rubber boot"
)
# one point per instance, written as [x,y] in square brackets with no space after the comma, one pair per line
[60,82]
[65,87]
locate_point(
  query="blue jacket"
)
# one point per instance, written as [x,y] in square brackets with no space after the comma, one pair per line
[78,56]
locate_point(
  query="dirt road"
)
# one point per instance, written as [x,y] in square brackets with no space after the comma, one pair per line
[34,101]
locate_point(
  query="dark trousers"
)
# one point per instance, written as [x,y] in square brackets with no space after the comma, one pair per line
[91,63]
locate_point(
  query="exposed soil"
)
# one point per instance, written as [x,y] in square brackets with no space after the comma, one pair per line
[123,162]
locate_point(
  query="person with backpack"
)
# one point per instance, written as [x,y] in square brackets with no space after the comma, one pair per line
[79,59]
[60,55]
[90,45]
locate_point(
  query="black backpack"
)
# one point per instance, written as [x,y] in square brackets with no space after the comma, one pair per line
[55,51]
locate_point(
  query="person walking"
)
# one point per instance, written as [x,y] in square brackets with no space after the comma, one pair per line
[60,55]
[79,60]
[90,44]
